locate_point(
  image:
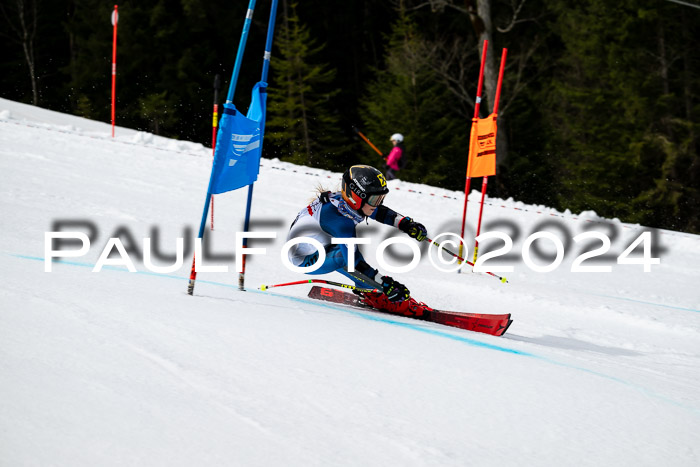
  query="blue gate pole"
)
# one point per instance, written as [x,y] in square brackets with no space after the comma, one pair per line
[229,100]
[241,50]
[266,67]
[268,42]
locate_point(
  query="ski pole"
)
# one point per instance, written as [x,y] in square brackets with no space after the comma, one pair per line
[319,281]
[430,240]
[368,141]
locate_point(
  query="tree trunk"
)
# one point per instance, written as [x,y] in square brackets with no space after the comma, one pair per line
[491,78]
[490,71]
[25,34]
[665,87]
[687,87]
[29,56]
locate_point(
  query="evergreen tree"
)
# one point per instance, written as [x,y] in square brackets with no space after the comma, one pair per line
[620,148]
[88,72]
[600,100]
[407,98]
[301,121]
[158,110]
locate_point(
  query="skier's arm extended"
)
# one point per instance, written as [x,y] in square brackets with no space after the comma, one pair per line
[388,216]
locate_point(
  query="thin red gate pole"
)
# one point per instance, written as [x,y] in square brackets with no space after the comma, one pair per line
[484,185]
[214,128]
[115,20]
[500,81]
[476,116]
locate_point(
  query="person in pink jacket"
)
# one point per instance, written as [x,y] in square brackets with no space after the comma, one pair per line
[393,160]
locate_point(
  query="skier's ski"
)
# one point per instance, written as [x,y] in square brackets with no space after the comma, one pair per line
[495,325]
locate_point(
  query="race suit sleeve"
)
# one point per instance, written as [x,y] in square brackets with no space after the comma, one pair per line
[387,216]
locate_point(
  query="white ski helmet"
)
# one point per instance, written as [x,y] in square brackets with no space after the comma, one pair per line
[396,137]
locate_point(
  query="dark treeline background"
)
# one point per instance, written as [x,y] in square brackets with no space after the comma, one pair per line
[599,108]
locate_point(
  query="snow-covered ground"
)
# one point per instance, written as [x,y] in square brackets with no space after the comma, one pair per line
[124,368]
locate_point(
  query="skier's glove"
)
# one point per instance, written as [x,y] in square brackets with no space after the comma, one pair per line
[395,291]
[413,229]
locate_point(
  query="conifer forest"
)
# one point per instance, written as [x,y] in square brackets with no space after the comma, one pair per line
[600,103]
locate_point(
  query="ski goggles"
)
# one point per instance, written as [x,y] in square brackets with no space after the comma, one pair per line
[375,200]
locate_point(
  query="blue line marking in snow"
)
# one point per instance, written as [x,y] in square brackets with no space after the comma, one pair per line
[412,326]
[121,269]
[380,319]
[408,325]
[486,345]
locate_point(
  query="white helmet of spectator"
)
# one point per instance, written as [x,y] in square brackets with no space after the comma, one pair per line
[398,137]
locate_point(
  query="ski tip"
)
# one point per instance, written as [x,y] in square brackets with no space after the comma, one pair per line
[263,287]
[504,280]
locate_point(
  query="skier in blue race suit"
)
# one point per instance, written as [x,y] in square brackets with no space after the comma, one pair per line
[335,215]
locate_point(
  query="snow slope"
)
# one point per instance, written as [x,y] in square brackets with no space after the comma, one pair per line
[118,367]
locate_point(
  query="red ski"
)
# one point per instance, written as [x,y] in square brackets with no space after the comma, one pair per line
[496,325]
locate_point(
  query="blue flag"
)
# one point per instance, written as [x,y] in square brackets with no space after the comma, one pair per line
[239,144]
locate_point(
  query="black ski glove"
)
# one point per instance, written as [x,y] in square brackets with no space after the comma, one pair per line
[413,229]
[395,291]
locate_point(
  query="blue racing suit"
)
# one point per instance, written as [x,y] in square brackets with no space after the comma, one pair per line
[327,217]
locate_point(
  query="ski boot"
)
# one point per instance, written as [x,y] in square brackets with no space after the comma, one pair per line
[381,302]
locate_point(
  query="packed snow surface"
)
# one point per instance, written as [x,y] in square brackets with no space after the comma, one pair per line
[124,368]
